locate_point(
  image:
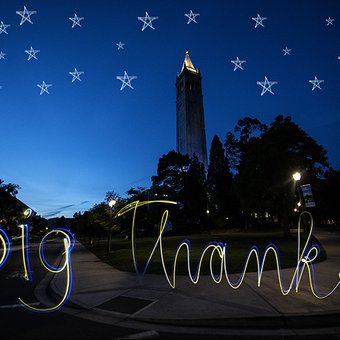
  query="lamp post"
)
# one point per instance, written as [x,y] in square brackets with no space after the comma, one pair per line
[208,220]
[296,177]
[111,204]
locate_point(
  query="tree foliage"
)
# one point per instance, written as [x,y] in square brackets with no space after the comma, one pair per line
[11,209]
[171,171]
[265,159]
[182,179]
[195,196]
[219,184]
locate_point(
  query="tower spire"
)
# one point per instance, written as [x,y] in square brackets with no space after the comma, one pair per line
[187,64]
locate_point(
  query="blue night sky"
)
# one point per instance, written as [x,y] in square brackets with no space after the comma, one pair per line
[68,148]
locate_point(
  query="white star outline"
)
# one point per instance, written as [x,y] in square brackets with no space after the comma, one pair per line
[238,63]
[32,53]
[266,85]
[120,45]
[44,87]
[76,20]
[3,27]
[259,20]
[329,21]
[2,55]
[286,51]
[191,17]
[76,75]
[147,21]
[316,83]
[25,15]
[126,80]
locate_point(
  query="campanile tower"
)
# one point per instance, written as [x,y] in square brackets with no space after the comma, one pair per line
[189,112]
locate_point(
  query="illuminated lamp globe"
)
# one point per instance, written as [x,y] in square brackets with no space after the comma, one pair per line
[112,203]
[297,176]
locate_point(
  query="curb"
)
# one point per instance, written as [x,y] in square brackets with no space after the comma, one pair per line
[284,322]
[297,321]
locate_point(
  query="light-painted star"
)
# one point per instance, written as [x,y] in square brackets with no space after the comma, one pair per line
[32,53]
[25,15]
[266,85]
[191,17]
[147,21]
[329,21]
[44,87]
[3,27]
[76,20]
[316,83]
[286,50]
[259,20]
[76,75]
[120,45]
[2,55]
[126,80]
[238,63]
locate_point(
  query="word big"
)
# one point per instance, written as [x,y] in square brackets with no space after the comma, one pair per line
[68,242]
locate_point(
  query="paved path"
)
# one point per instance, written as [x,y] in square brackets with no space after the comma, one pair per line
[105,294]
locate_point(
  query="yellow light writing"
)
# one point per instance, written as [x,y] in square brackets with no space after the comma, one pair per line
[4,247]
[67,264]
[133,206]
[24,252]
[305,257]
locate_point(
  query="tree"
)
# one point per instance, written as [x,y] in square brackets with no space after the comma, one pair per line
[266,162]
[11,209]
[138,194]
[326,195]
[9,188]
[61,222]
[195,196]
[181,179]
[171,171]
[237,151]
[100,219]
[219,184]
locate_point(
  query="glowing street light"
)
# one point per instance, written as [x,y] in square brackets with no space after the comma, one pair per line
[297,176]
[112,203]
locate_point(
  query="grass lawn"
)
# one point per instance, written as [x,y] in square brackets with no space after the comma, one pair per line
[238,245]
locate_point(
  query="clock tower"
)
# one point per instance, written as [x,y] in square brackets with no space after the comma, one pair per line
[190,125]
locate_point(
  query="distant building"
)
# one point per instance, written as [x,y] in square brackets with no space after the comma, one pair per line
[190,125]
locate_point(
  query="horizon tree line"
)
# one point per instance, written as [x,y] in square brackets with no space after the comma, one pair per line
[248,184]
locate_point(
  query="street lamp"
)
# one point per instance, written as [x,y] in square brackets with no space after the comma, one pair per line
[111,204]
[296,176]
